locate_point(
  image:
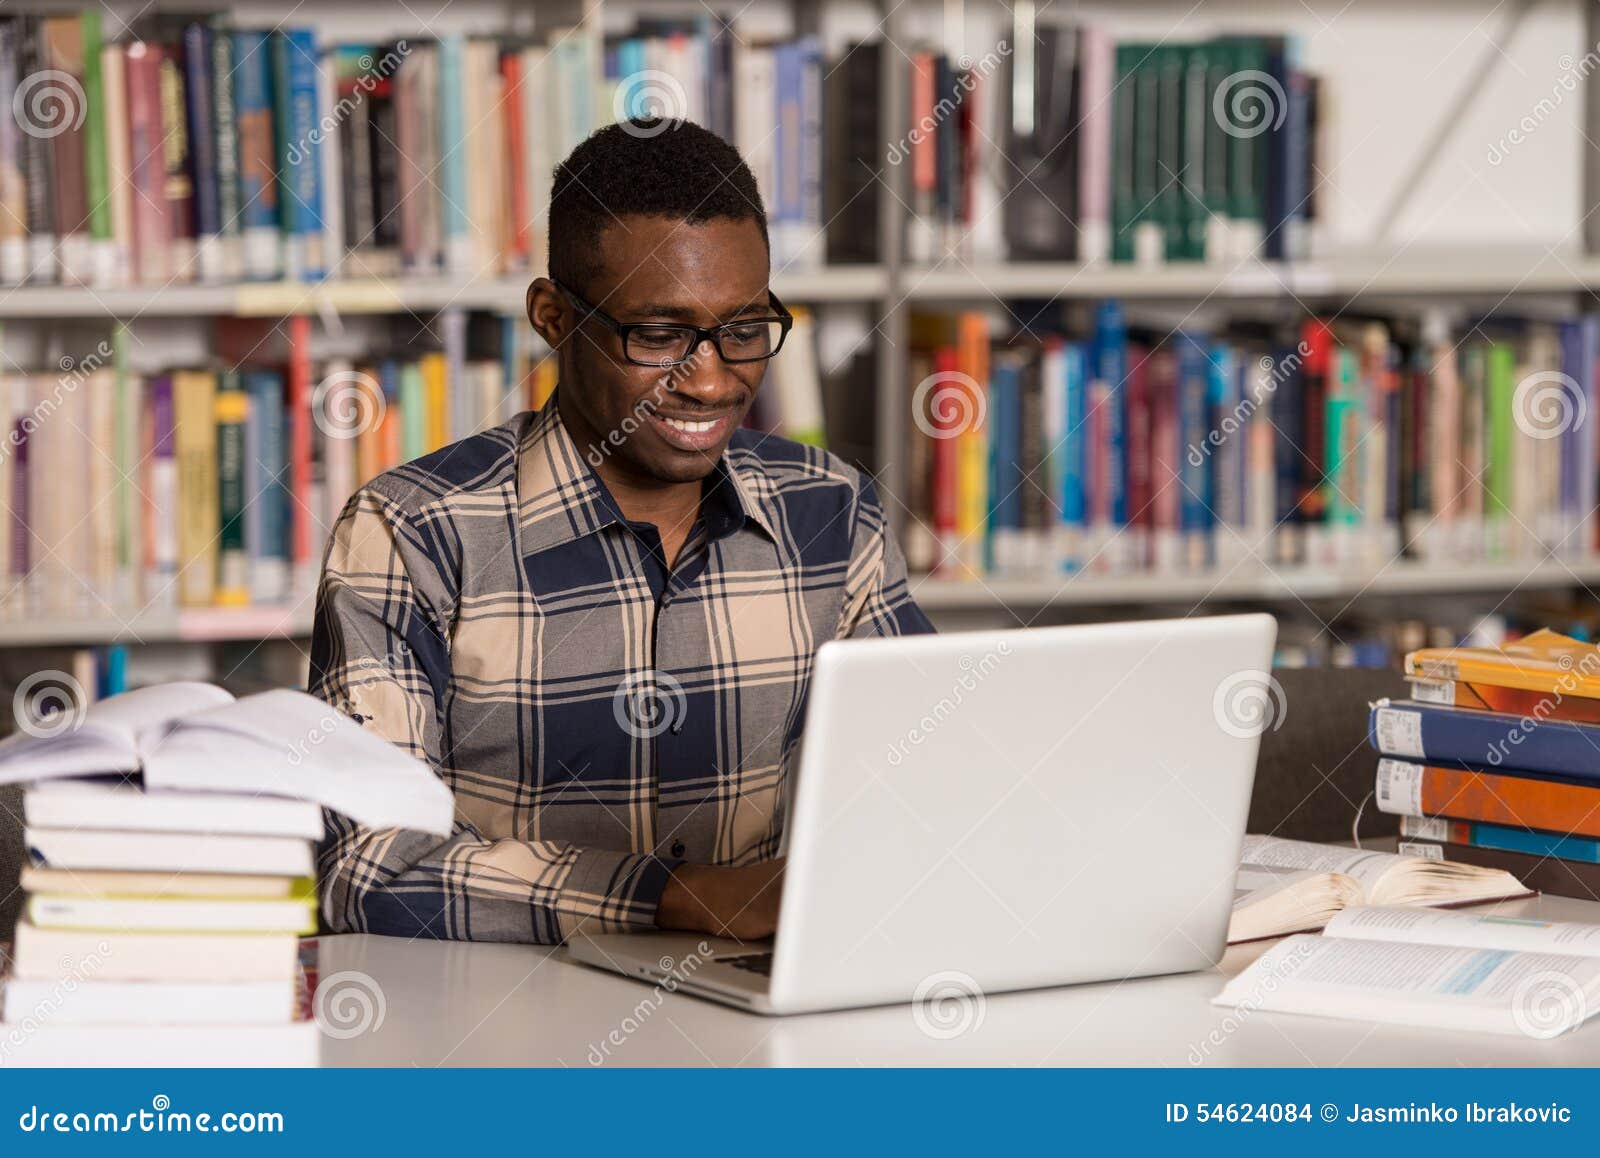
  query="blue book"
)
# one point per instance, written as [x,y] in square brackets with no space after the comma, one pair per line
[200,109]
[1481,835]
[787,63]
[253,112]
[1194,414]
[1111,369]
[1005,463]
[1468,738]
[294,55]
[1074,510]
[1287,413]
[1222,447]
[1589,397]
[459,257]
[268,513]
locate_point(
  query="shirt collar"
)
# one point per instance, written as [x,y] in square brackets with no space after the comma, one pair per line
[560,498]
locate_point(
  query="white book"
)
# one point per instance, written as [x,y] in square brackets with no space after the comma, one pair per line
[126,807]
[295,1045]
[197,737]
[78,955]
[114,261]
[1432,968]
[174,914]
[122,883]
[176,852]
[1287,886]
[150,1003]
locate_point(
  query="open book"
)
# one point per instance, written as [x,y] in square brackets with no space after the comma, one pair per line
[1292,886]
[1432,967]
[196,737]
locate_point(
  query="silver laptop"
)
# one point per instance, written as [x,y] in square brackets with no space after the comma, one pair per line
[1000,810]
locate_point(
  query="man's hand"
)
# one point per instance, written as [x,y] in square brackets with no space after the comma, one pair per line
[725,902]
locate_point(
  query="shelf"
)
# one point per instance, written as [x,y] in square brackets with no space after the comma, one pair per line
[1455,272]
[207,625]
[368,296]
[1288,585]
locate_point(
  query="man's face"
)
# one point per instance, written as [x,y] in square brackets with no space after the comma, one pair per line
[666,424]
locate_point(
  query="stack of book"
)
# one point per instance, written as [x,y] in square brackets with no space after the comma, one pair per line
[172,836]
[1495,761]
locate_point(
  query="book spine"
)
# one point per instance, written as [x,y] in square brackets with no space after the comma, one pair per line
[413,413]
[225,149]
[1409,789]
[200,98]
[304,535]
[270,562]
[37,100]
[1195,372]
[1137,436]
[96,160]
[460,257]
[63,122]
[1500,379]
[177,182]
[128,403]
[195,423]
[161,515]
[1438,735]
[151,252]
[1574,849]
[1111,371]
[13,190]
[258,193]
[1074,510]
[119,164]
[945,424]
[233,548]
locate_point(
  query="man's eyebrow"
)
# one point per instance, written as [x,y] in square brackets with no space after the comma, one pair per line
[679,312]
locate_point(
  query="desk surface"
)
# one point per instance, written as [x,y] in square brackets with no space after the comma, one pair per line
[513,1005]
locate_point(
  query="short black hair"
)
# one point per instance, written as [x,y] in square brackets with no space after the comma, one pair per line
[647,166]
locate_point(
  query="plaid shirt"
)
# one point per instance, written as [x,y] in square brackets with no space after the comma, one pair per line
[489,609]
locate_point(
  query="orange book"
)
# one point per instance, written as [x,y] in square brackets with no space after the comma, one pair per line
[1512,701]
[369,439]
[972,443]
[1545,661]
[436,399]
[1460,794]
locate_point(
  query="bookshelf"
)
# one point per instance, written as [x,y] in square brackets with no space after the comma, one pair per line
[887,292]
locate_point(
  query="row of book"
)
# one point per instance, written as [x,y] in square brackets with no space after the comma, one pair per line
[216,484]
[1087,149]
[172,838]
[1329,443]
[1492,761]
[190,149]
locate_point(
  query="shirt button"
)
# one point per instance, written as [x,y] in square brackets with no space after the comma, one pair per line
[677,848]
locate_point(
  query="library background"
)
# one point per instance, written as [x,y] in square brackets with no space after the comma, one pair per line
[1131,309]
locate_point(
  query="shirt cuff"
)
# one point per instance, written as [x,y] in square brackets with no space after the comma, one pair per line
[613,892]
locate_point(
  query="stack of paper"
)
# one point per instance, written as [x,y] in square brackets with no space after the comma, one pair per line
[172,837]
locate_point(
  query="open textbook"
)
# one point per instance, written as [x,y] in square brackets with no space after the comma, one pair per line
[1432,967]
[1292,886]
[197,737]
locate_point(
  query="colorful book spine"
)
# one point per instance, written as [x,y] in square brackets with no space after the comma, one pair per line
[232,410]
[270,561]
[200,85]
[299,154]
[161,538]
[1433,734]
[1583,850]
[194,408]
[258,192]
[1408,788]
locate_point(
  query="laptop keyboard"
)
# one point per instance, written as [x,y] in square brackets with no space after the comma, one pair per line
[759,963]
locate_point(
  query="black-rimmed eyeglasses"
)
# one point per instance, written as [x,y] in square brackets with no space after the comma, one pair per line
[665,344]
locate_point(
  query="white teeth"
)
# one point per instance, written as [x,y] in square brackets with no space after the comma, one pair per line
[689,427]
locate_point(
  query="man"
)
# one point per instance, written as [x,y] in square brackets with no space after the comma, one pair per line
[597,621]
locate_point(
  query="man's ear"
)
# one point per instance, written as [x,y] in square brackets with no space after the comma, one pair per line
[548,311]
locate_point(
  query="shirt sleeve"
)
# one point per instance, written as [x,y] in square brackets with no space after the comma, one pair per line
[378,654]
[877,598]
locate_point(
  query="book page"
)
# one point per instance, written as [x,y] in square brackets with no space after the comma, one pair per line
[287,743]
[110,736]
[1466,930]
[1364,865]
[1489,990]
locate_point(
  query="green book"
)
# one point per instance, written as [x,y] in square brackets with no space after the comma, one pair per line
[96,163]
[1342,442]
[1125,152]
[413,412]
[233,563]
[1500,384]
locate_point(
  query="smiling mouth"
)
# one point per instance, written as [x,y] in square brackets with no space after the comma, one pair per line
[693,434]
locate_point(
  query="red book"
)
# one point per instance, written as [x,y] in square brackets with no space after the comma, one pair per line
[147,162]
[516,150]
[1136,430]
[1166,491]
[1319,343]
[302,537]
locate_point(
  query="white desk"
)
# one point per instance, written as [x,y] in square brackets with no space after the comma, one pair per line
[509,1005]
